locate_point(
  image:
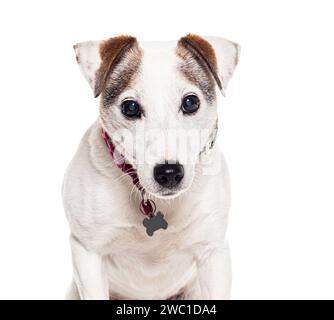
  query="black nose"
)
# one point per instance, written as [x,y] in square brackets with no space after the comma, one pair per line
[168,175]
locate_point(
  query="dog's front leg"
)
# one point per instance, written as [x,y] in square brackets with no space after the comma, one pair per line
[214,274]
[89,275]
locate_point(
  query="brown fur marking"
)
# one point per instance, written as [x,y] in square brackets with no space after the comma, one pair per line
[199,64]
[112,52]
[236,58]
[77,57]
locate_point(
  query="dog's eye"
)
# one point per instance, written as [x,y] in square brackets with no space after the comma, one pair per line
[131,109]
[190,104]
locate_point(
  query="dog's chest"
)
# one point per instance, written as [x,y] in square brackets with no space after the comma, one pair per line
[149,267]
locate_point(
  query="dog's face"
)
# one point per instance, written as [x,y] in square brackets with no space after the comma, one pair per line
[158,101]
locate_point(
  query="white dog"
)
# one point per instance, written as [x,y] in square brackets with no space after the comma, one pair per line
[151,156]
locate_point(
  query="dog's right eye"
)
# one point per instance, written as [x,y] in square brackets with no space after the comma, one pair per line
[131,109]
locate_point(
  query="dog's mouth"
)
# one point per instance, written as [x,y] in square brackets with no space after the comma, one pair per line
[168,182]
[167,194]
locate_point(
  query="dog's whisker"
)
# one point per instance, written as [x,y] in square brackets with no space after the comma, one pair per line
[130,197]
[125,174]
[137,193]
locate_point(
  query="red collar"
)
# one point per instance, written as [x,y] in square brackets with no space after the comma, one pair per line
[120,161]
[147,207]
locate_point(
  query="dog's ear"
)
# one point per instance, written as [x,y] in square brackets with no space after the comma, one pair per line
[97,59]
[218,54]
[227,54]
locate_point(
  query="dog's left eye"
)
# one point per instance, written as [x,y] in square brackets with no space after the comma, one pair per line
[190,104]
[131,109]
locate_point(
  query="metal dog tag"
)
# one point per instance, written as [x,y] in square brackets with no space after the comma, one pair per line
[155,222]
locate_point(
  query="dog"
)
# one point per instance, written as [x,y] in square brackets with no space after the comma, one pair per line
[147,212]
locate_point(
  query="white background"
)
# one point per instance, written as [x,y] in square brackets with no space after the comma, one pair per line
[276,132]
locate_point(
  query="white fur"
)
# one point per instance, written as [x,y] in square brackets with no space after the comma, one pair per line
[89,59]
[112,255]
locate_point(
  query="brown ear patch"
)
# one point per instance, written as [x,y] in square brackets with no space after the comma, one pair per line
[77,57]
[112,52]
[121,61]
[199,63]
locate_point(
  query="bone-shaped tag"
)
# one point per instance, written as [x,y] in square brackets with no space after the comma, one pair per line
[154,223]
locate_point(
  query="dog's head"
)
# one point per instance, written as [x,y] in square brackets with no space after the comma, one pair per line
[158,101]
